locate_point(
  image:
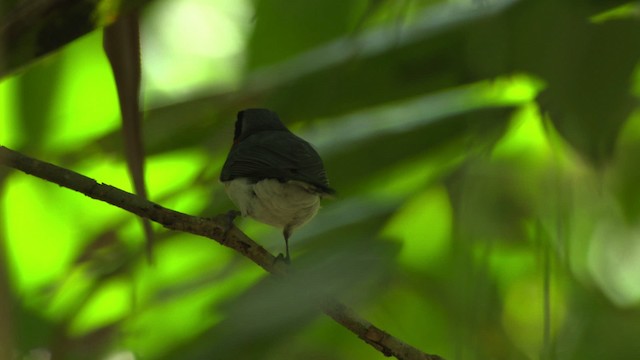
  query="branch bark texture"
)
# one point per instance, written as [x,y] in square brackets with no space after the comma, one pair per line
[217,228]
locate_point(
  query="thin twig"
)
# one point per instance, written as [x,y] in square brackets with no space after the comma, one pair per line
[218,229]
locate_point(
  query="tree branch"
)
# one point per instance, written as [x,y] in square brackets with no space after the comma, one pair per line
[218,229]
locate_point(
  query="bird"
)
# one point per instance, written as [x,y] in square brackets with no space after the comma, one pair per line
[272,175]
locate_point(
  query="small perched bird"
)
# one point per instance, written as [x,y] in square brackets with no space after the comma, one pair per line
[272,175]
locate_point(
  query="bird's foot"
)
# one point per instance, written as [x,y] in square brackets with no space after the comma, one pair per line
[281,257]
[232,215]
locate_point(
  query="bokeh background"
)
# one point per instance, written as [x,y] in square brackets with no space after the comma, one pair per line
[485,155]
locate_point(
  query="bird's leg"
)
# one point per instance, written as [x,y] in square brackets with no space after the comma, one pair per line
[286,258]
[230,216]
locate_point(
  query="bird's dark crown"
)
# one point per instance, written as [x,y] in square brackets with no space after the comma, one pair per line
[251,121]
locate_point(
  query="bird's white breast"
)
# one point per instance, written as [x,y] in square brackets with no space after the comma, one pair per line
[272,202]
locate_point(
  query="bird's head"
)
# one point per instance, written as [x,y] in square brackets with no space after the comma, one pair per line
[251,121]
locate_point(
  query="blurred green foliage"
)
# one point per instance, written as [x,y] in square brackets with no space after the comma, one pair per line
[484,152]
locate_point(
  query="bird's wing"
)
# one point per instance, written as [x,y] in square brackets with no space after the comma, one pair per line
[277,155]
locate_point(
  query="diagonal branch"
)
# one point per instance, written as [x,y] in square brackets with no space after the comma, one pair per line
[218,229]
